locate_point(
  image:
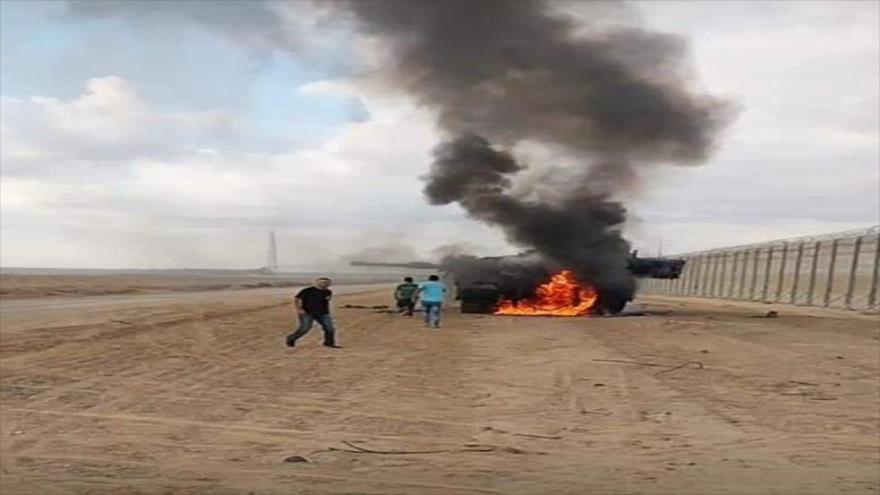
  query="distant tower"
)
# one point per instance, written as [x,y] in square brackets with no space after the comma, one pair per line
[272,258]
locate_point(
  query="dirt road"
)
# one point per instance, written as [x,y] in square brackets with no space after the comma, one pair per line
[16,314]
[200,396]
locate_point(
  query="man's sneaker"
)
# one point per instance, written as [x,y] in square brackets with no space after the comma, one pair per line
[333,346]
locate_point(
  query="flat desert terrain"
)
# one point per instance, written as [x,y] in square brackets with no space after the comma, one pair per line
[195,393]
[15,286]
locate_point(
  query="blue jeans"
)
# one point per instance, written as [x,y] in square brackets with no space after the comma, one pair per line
[306,321]
[432,312]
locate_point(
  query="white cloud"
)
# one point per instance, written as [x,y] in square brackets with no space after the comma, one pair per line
[159,204]
[804,155]
[109,113]
[107,178]
[109,122]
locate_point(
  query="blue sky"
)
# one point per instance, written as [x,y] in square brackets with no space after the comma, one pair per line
[44,51]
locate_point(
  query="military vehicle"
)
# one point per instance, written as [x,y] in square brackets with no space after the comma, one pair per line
[481,283]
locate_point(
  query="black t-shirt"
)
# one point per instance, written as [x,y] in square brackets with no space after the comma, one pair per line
[315,301]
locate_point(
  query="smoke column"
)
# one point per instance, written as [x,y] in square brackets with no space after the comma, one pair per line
[499,73]
[504,73]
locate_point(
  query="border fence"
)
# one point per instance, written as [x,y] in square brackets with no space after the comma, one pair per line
[838,270]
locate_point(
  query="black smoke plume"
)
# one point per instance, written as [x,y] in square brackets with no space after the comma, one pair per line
[508,72]
[500,74]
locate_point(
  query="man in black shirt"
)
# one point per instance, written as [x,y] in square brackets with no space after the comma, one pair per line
[313,304]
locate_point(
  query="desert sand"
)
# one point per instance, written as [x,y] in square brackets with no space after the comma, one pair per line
[197,394]
[17,286]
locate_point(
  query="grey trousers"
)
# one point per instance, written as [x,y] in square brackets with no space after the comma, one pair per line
[305,324]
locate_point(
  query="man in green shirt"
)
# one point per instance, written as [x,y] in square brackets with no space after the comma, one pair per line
[405,295]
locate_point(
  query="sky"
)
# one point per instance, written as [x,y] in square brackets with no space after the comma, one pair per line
[168,135]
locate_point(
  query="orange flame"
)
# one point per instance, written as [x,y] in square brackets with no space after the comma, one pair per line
[563,295]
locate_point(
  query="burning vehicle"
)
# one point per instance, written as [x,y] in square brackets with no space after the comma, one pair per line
[547,127]
[527,284]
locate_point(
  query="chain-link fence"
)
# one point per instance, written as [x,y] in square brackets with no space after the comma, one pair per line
[833,270]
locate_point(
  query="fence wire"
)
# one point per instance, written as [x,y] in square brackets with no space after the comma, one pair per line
[837,270]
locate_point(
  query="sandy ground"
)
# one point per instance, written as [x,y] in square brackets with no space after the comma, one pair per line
[15,286]
[198,395]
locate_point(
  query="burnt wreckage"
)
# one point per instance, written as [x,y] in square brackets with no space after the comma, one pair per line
[482,283]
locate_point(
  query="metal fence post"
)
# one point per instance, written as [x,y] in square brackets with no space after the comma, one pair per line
[781,284]
[689,273]
[722,277]
[853,268]
[723,274]
[767,267]
[715,267]
[699,284]
[707,274]
[681,280]
[831,263]
[813,267]
[707,280]
[875,275]
[695,280]
[742,277]
[754,274]
[797,272]
[733,275]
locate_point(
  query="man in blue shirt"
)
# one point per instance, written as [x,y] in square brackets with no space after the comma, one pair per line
[431,294]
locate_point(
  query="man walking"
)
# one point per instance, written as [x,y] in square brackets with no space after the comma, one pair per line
[313,304]
[405,295]
[431,294]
